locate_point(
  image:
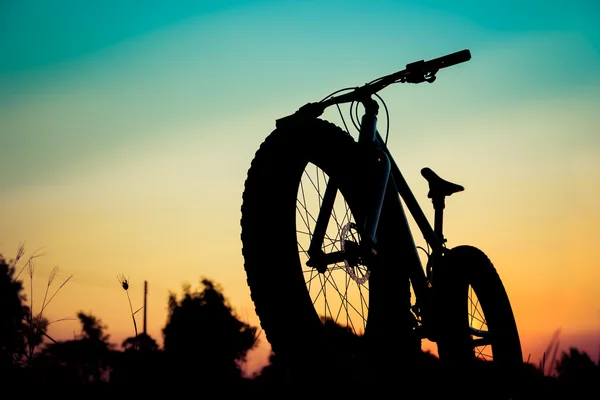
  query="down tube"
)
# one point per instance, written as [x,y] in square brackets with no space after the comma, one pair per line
[409,249]
[389,283]
[394,233]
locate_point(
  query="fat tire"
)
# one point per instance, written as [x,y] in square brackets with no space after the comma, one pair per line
[270,251]
[461,267]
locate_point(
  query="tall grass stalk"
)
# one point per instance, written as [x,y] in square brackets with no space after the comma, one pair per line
[125,285]
[36,325]
[551,350]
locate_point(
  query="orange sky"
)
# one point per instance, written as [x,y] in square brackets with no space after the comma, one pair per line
[124,149]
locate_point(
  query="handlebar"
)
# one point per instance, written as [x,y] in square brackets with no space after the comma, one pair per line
[415,72]
[450,59]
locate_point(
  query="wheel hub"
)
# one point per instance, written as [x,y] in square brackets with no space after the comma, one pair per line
[351,250]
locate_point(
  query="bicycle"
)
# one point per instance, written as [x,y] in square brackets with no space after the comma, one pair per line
[358,245]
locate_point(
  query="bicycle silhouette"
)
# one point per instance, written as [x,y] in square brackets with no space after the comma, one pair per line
[325,238]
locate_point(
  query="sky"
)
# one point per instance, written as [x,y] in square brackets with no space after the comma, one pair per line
[127,129]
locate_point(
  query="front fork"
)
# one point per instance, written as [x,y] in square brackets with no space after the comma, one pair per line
[379,167]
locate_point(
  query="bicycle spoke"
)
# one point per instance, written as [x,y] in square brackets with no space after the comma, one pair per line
[481,318]
[343,300]
[326,303]
[304,202]
[308,214]
[342,297]
[339,292]
[307,223]
[316,187]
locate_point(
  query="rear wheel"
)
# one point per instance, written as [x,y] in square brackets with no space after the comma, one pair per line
[478,336]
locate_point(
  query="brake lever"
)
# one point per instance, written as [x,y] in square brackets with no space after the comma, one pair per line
[430,76]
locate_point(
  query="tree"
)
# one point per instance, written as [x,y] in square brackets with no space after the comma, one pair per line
[12,316]
[79,361]
[92,328]
[142,342]
[577,367]
[203,338]
[140,364]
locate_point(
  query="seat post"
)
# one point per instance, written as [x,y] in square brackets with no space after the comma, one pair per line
[438,222]
[438,190]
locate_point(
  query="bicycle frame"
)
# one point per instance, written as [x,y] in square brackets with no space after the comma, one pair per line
[432,235]
[369,133]
[388,178]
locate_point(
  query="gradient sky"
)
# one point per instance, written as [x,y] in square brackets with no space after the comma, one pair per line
[127,128]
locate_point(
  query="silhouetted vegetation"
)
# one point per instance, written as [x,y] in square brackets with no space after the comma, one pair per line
[83,360]
[204,341]
[12,317]
[205,347]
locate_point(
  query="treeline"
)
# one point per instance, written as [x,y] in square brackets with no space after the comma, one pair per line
[205,346]
[204,342]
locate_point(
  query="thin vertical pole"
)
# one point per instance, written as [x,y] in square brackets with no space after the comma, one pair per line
[145,298]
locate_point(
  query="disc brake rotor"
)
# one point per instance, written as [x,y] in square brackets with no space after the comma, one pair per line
[347,244]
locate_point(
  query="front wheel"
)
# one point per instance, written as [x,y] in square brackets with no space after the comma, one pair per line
[311,312]
[476,328]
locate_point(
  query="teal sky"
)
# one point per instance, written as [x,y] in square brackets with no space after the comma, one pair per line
[127,129]
[80,79]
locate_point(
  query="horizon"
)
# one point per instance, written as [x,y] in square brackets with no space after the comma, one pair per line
[127,131]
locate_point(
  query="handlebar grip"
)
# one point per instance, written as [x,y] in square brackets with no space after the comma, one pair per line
[450,59]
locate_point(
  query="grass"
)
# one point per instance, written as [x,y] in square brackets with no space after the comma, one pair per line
[36,325]
[125,285]
[548,368]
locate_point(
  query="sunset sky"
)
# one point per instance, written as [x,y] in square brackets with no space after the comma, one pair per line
[127,129]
